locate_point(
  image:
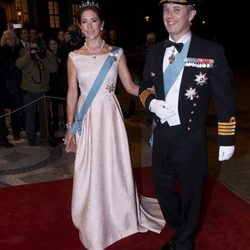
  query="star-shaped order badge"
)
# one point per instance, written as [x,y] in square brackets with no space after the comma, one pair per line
[191,93]
[110,87]
[113,55]
[201,79]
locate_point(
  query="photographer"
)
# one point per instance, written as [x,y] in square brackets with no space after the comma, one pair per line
[36,64]
[73,40]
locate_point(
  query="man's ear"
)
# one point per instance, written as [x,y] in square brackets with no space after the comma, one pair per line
[192,15]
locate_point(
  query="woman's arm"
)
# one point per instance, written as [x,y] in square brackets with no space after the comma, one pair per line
[72,97]
[72,94]
[126,78]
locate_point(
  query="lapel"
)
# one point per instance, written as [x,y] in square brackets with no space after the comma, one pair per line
[160,55]
[188,72]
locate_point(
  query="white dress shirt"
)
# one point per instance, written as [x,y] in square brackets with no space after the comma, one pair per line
[172,97]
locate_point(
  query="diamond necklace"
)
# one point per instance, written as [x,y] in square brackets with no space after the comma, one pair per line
[94,52]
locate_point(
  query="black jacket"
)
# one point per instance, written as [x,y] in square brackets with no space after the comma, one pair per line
[193,112]
[10,75]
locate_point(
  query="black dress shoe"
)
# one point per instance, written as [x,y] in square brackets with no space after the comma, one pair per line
[6,144]
[169,245]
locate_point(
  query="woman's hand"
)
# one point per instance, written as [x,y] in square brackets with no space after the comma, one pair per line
[151,90]
[69,139]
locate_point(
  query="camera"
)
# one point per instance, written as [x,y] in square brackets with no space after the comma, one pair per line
[17,26]
[40,50]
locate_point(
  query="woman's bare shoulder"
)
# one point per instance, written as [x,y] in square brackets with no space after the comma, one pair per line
[80,51]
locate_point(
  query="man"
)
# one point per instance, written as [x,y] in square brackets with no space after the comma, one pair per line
[25,38]
[36,64]
[143,50]
[113,37]
[185,76]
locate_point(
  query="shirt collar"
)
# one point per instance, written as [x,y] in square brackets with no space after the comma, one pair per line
[183,39]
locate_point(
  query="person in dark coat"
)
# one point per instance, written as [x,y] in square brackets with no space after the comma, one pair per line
[186,71]
[10,80]
[57,91]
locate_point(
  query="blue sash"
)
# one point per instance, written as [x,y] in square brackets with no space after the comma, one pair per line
[77,125]
[173,70]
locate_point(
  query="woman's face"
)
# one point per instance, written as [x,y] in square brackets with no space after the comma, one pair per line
[90,24]
[10,41]
[60,35]
[53,46]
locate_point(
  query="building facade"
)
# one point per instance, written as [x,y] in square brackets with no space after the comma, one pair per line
[44,15]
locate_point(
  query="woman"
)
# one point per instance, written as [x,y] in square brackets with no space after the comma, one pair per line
[11,79]
[105,205]
[57,88]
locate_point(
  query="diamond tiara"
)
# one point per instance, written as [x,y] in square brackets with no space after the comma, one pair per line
[89,3]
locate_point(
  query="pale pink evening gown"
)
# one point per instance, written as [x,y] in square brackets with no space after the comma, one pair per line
[105,203]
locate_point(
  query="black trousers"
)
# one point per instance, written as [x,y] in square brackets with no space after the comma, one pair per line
[182,158]
[17,118]
[34,102]
[3,127]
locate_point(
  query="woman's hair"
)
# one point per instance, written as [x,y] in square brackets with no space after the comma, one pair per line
[96,9]
[51,38]
[6,34]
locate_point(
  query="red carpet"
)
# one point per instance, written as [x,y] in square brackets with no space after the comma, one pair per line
[37,216]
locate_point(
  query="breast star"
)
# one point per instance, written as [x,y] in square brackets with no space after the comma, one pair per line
[191,93]
[201,79]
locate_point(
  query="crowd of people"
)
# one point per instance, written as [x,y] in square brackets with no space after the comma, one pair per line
[33,84]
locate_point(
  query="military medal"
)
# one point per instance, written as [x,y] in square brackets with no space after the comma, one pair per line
[201,79]
[172,57]
[191,93]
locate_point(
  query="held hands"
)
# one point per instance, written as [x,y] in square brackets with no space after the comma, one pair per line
[226,152]
[151,90]
[162,109]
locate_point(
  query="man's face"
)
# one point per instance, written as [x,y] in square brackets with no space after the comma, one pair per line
[33,35]
[177,18]
[24,35]
[112,34]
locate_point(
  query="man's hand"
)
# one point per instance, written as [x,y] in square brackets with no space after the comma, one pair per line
[161,108]
[226,152]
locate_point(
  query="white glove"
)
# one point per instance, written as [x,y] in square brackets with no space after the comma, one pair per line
[226,152]
[161,108]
